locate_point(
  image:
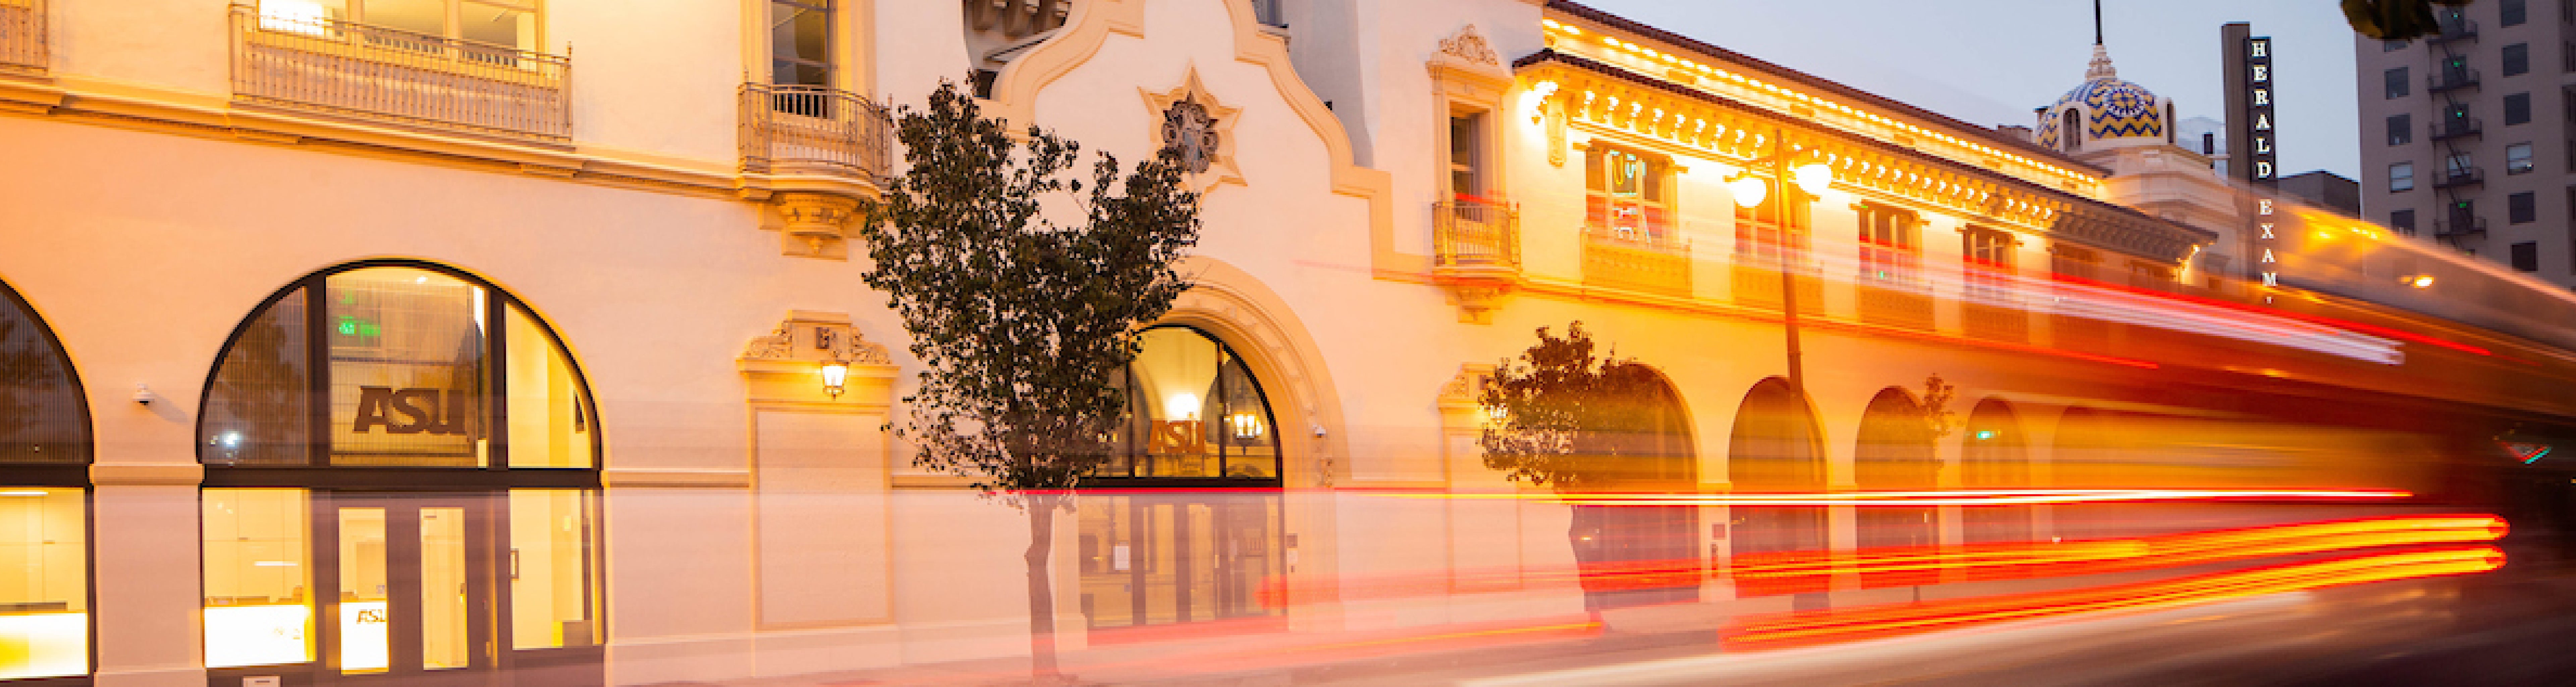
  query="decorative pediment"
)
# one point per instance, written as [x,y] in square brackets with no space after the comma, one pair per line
[1190,118]
[1470,46]
[812,337]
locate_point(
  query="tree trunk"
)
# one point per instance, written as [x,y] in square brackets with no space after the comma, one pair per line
[1042,666]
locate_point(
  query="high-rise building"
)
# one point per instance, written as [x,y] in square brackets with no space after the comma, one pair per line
[2454,131]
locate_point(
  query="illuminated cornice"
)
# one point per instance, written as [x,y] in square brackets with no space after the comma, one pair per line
[1582,31]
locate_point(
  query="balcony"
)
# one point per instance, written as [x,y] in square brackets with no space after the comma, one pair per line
[2460,30]
[22,37]
[2459,226]
[1756,284]
[2456,127]
[1995,322]
[368,72]
[2467,176]
[1636,262]
[2451,80]
[1476,239]
[814,130]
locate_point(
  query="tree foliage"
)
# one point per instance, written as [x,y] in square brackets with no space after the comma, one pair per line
[2395,20]
[1565,417]
[1019,321]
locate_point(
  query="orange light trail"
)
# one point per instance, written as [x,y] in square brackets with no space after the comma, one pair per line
[2017,497]
[1783,630]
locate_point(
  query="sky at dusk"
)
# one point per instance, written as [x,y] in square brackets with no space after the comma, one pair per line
[1992,61]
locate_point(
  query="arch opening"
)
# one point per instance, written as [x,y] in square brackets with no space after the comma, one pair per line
[1895,453]
[1994,455]
[1775,447]
[45,448]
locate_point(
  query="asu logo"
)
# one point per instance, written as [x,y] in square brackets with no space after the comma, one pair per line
[429,411]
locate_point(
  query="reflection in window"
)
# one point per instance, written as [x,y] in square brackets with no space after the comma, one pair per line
[1194,411]
[551,556]
[408,358]
[40,406]
[257,562]
[44,583]
[1151,559]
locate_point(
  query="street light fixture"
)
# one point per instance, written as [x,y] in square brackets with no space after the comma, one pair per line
[1752,190]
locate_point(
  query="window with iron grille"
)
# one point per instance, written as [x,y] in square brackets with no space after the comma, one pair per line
[1889,251]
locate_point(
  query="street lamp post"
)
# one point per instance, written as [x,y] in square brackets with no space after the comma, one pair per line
[1812,178]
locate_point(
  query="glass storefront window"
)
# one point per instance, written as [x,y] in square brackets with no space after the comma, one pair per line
[551,555]
[257,572]
[1194,412]
[406,368]
[366,605]
[415,374]
[1157,559]
[44,583]
[40,407]
[548,426]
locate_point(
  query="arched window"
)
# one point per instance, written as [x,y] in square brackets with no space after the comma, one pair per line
[44,512]
[2073,130]
[379,437]
[1895,454]
[1993,457]
[1196,417]
[1775,448]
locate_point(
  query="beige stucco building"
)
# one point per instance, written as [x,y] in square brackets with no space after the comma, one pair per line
[532,299]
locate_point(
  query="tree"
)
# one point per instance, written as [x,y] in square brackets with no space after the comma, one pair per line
[2395,20]
[1567,418]
[1020,322]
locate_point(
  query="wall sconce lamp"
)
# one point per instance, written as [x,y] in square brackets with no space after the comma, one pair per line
[834,374]
[1247,427]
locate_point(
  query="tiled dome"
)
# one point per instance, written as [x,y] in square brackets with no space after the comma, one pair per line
[2110,108]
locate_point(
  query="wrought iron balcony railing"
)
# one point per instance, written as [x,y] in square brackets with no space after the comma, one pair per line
[788,129]
[2459,30]
[22,36]
[2466,176]
[372,72]
[2456,127]
[2459,226]
[1476,235]
[2451,80]
[1636,261]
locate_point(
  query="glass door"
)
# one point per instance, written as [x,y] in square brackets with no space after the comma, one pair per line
[410,588]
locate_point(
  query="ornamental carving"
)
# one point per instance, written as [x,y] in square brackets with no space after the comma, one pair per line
[816,337]
[1191,120]
[1470,46]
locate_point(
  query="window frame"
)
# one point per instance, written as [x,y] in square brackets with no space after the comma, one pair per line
[2522,208]
[2397,83]
[66,475]
[1132,452]
[2408,177]
[1890,245]
[2511,102]
[2402,220]
[831,63]
[452,20]
[2512,12]
[2524,256]
[2519,164]
[319,472]
[2516,59]
[2401,129]
[1658,220]
[1989,259]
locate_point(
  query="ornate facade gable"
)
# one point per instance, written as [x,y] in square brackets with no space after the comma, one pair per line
[1190,118]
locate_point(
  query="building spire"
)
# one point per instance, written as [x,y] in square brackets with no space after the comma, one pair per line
[2101,67]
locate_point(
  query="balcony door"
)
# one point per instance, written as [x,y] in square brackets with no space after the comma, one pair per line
[410,584]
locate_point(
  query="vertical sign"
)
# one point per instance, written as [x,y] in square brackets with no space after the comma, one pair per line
[2261,164]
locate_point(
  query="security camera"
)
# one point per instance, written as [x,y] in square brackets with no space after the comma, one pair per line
[143,394]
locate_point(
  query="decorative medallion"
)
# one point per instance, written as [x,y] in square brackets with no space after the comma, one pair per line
[1191,120]
[1470,46]
[1188,127]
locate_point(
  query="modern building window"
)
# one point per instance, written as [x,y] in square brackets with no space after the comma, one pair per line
[2522,208]
[2517,59]
[503,23]
[1889,250]
[2401,129]
[2517,158]
[2401,177]
[2392,46]
[1627,195]
[44,505]
[2526,256]
[2517,109]
[2512,12]
[2458,165]
[800,43]
[397,375]
[2397,82]
[2402,220]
